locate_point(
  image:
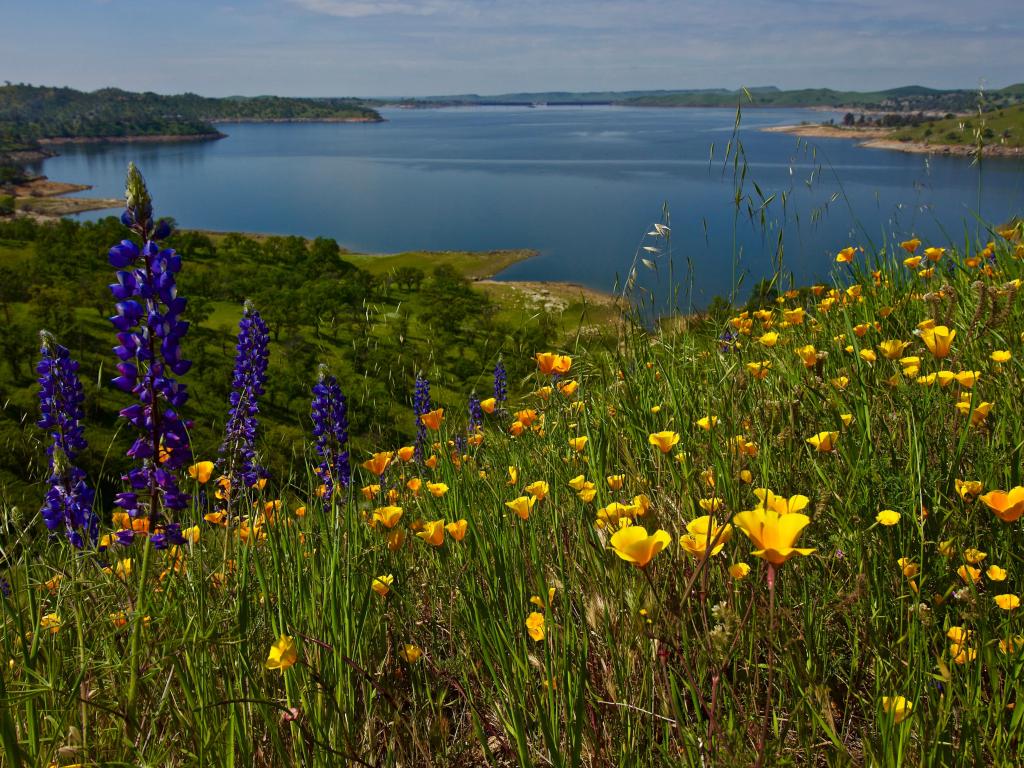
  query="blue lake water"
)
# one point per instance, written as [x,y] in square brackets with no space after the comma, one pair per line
[579,184]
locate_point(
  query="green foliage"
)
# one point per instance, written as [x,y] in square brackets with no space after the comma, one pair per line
[1001,127]
[29,113]
[375,331]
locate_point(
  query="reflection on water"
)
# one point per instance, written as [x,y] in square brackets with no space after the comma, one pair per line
[581,185]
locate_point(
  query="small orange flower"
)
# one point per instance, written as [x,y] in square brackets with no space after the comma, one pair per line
[433,533]
[549,363]
[378,463]
[432,420]
[457,530]
[201,471]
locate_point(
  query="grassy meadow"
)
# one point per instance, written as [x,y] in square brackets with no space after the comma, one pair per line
[788,535]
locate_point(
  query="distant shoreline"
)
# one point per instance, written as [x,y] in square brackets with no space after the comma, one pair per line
[880,138]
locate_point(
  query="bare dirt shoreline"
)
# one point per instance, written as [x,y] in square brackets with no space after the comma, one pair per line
[880,138]
[44,199]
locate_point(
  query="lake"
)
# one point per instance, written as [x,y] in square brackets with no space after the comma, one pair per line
[579,184]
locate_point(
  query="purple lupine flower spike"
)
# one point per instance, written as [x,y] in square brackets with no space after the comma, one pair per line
[68,503]
[330,428]
[476,414]
[150,330]
[420,406]
[500,386]
[238,451]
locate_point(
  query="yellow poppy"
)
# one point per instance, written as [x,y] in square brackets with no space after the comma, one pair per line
[824,442]
[432,419]
[892,349]
[968,489]
[707,422]
[615,482]
[1007,602]
[433,533]
[1008,506]
[535,625]
[773,534]
[995,573]
[437,490]
[780,504]
[387,516]
[578,444]
[938,340]
[808,354]
[382,584]
[911,246]
[568,388]
[1001,356]
[794,316]
[549,363]
[760,369]
[665,441]
[522,506]
[739,570]
[634,545]
[378,463]
[969,574]
[201,471]
[410,653]
[538,489]
[613,515]
[702,533]
[897,707]
[406,452]
[488,405]
[846,255]
[395,539]
[457,530]
[578,483]
[282,654]
[769,339]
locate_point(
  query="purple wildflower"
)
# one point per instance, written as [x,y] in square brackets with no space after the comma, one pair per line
[238,451]
[420,406]
[500,385]
[68,503]
[476,414]
[330,427]
[5,587]
[149,333]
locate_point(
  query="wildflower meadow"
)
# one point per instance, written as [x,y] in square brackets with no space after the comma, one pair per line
[783,535]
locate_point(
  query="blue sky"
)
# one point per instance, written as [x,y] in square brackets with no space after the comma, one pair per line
[421,47]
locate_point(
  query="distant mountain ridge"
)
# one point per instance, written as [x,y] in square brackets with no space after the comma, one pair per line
[909,98]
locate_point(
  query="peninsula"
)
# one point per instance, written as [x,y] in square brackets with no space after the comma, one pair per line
[993,133]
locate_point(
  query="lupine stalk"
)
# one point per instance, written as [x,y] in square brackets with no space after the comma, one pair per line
[238,451]
[476,414]
[500,385]
[420,406]
[330,428]
[149,333]
[68,503]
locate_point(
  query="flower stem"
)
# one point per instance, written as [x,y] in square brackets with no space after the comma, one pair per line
[762,741]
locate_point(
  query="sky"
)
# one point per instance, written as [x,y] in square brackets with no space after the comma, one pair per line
[431,47]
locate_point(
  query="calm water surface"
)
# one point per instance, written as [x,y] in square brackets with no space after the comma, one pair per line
[579,184]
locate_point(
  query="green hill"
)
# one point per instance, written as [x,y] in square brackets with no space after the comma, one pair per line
[997,127]
[30,113]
